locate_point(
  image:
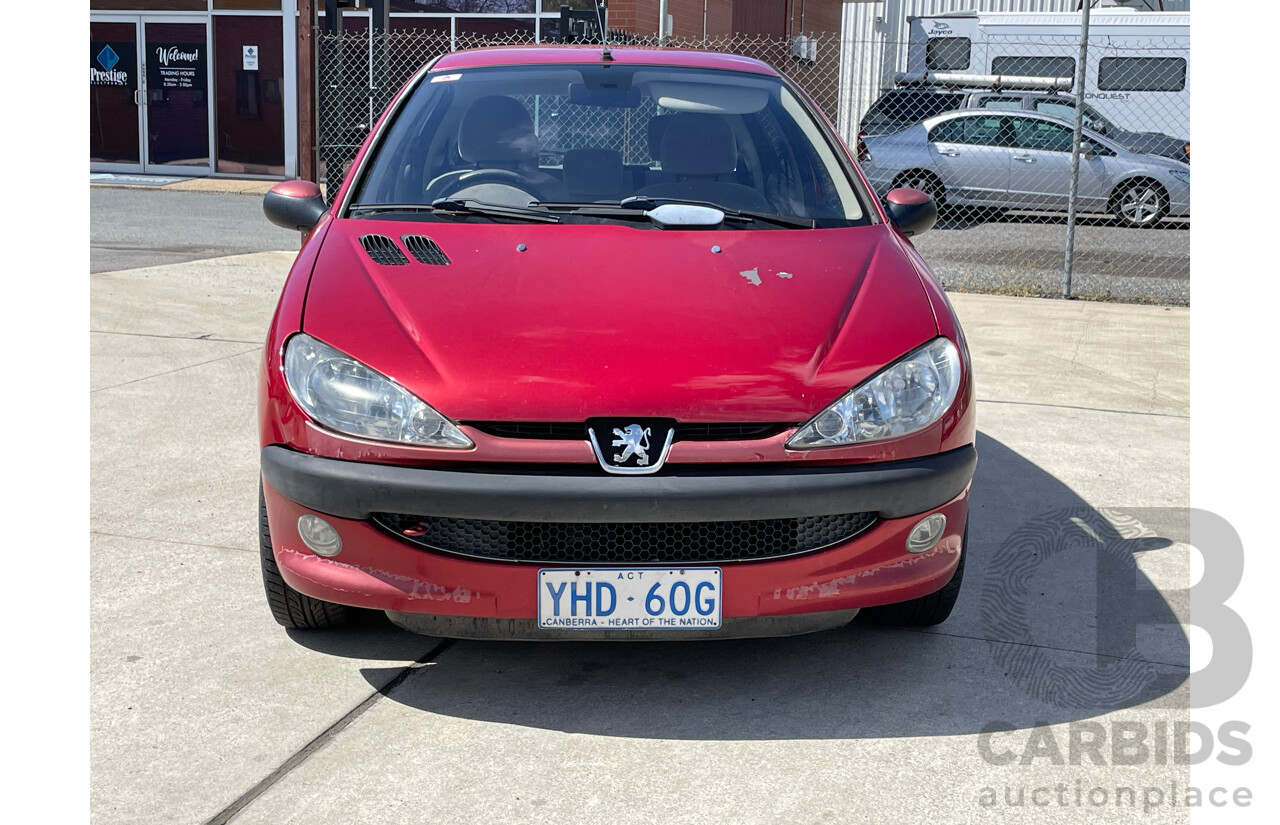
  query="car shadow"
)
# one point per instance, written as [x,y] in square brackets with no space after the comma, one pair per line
[1034,639]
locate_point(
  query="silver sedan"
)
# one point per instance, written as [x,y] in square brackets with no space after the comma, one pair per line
[1022,160]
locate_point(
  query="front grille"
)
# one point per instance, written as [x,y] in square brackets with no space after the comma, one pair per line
[577,430]
[626,543]
[551,430]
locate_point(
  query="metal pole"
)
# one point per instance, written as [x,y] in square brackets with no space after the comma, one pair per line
[307,166]
[380,90]
[662,22]
[1069,260]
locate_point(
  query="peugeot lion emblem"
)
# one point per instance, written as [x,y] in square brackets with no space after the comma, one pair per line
[632,440]
[632,451]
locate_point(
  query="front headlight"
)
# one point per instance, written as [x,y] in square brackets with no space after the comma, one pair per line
[340,392]
[1183,175]
[901,399]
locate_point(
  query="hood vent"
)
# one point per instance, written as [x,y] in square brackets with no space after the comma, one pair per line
[383,250]
[425,250]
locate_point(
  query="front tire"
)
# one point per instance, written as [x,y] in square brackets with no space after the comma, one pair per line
[1140,203]
[289,607]
[926,610]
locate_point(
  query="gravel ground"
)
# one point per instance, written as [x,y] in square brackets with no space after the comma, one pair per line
[1022,254]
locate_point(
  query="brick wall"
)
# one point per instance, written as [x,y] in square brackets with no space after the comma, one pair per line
[774,18]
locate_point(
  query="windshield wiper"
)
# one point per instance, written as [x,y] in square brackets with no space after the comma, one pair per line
[642,202]
[636,206]
[456,206]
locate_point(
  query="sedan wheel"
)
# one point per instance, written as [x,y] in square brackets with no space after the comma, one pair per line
[1141,203]
[924,181]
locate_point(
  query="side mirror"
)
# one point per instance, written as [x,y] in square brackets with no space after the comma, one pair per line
[911,210]
[294,204]
[1087,150]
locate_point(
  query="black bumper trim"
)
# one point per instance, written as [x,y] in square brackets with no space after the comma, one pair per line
[506,630]
[353,490]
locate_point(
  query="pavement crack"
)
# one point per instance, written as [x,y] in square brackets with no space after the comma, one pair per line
[171,541]
[1084,409]
[172,371]
[325,737]
[204,336]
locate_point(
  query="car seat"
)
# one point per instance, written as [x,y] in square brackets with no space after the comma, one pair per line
[700,151]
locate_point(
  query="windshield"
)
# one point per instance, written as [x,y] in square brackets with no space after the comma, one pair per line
[1065,108]
[558,136]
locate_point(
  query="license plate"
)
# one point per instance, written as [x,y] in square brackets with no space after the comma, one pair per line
[629,599]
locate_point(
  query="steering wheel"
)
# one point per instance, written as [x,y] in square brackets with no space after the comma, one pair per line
[447,185]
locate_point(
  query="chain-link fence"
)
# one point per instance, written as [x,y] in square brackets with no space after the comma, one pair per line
[987,128]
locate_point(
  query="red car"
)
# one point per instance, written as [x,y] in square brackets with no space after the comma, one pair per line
[611,344]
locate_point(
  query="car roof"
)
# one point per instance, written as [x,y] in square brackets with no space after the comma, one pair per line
[929,123]
[622,55]
[977,90]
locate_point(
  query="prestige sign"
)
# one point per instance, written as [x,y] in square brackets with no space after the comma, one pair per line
[113,63]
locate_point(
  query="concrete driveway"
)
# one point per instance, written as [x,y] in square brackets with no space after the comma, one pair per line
[204,710]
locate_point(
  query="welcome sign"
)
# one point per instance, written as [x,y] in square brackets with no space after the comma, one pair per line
[177,66]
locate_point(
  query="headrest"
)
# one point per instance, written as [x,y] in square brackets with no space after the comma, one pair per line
[698,144]
[593,171]
[497,129]
[657,128]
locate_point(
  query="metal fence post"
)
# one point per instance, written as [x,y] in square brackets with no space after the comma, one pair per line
[1069,259]
[380,90]
[329,59]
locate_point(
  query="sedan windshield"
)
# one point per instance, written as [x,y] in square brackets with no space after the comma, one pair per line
[569,139]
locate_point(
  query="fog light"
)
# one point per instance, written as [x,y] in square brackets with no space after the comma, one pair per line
[320,536]
[926,533]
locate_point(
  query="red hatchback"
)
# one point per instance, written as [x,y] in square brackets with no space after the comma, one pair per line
[616,345]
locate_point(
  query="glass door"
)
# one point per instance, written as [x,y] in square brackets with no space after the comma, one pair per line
[115,95]
[149,95]
[176,120]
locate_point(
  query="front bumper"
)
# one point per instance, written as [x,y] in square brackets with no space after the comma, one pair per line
[354,490]
[379,571]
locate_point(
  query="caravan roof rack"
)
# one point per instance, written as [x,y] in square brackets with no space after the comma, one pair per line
[984,81]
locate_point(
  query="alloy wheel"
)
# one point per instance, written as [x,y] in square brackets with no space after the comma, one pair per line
[1141,204]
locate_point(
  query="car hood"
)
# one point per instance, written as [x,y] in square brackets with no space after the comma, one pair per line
[1150,143]
[563,322]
